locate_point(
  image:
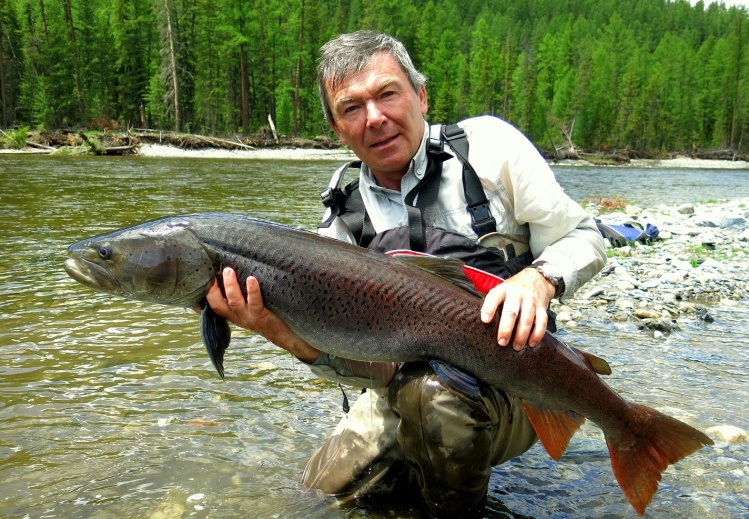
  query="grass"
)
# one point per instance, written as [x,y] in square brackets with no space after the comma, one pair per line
[16,139]
[608,205]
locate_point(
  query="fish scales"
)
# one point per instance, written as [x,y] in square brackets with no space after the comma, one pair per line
[364,305]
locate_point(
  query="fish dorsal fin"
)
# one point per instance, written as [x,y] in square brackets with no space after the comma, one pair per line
[450,269]
[481,281]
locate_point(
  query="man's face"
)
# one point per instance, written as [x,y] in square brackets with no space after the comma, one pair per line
[377,113]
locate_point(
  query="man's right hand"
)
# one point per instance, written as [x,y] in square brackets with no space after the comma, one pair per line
[252,314]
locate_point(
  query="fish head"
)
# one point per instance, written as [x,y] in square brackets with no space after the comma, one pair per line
[160,262]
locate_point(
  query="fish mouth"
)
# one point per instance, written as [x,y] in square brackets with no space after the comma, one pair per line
[92,275]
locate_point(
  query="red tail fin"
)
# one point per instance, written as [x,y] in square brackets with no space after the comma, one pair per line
[554,428]
[639,459]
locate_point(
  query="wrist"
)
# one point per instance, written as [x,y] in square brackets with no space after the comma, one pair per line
[552,277]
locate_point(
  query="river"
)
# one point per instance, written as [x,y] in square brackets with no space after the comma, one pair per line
[111,408]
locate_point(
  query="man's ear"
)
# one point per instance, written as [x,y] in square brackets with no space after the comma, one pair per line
[423,103]
[335,129]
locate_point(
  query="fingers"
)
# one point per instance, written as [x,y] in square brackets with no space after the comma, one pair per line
[234,297]
[523,318]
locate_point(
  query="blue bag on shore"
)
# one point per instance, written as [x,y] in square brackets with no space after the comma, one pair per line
[620,235]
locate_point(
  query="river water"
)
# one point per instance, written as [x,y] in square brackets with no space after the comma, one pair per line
[111,408]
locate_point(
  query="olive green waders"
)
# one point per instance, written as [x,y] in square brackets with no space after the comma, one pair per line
[421,429]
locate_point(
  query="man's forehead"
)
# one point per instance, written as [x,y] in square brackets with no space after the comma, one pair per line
[379,73]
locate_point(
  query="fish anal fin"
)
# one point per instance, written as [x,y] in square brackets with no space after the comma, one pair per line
[216,336]
[639,459]
[554,428]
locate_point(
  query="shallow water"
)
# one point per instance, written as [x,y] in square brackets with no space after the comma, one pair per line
[111,408]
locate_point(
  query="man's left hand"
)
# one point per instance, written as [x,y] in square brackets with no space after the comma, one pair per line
[524,298]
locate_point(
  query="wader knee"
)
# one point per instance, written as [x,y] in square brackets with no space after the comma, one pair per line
[447,438]
[362,456]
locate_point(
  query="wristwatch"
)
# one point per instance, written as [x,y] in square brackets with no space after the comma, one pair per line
[547,271]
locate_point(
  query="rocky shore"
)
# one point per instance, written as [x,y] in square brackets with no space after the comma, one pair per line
[700,257]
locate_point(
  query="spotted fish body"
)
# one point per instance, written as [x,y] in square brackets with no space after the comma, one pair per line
[363,305]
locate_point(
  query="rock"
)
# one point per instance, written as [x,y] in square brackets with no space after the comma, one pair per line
[642,313]
[728,434]
[685,209]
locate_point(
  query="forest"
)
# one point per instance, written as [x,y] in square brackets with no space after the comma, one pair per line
[596,74]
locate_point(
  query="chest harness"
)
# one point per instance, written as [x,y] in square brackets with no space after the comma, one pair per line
[345,202]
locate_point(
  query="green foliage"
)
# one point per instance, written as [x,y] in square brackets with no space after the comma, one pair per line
[16,139]
[643,74]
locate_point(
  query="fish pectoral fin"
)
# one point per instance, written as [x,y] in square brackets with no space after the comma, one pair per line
[554,428]
[640,456]
[216,336]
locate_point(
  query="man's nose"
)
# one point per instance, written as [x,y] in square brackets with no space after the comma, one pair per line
[375,116]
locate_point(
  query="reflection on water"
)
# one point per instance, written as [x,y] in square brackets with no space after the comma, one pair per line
[111,408]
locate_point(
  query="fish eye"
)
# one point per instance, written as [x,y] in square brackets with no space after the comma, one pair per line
[105,251]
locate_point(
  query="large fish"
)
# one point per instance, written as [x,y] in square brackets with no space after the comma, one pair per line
[360,304]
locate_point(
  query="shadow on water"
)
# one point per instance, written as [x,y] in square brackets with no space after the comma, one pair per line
[110,408]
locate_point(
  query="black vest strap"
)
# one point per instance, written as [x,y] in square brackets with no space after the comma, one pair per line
[482,220]
[426,189]
[346,203]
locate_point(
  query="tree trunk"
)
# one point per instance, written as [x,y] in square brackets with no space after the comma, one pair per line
[172,64]
[44,21]
[3,105]
[298,78]
[244,76]
[76,64]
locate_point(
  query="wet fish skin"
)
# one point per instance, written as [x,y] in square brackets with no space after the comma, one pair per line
[364,305]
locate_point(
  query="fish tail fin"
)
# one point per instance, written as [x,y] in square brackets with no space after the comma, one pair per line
[639,459]
[554,428]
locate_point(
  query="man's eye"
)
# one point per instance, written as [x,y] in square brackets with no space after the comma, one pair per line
[350,109]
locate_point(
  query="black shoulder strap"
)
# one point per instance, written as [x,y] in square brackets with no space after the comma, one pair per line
[478,206]
[346,203]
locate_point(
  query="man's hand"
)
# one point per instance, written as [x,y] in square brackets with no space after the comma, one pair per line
[524,298]
[252,314]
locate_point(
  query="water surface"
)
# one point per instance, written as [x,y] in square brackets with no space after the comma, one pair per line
[111,408]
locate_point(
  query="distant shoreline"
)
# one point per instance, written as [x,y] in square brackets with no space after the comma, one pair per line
[343,154]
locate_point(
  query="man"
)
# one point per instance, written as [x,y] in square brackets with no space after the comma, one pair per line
[425,423]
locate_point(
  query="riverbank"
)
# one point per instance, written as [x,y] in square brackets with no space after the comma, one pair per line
[699,259]
[344,154]
[153,143]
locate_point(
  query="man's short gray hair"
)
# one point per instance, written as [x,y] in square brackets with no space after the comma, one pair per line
[350,53]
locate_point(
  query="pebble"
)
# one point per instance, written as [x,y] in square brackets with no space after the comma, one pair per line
[699,258]
[728,434]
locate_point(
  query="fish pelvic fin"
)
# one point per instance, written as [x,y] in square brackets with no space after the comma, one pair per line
[639,459]
[554,428]
[216,336]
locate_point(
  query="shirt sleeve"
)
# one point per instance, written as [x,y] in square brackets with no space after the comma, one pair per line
[561,232]
[354,372]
